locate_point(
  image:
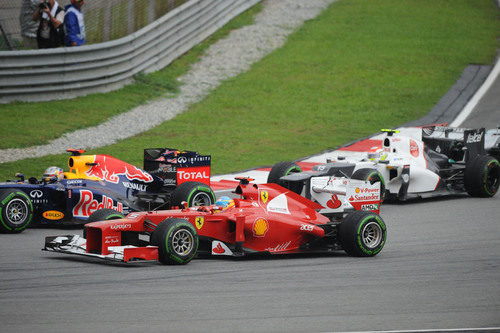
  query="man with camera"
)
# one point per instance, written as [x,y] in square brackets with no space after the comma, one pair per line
[50,31]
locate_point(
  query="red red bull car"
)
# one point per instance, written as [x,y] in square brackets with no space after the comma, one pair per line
[99,187]
[264,219]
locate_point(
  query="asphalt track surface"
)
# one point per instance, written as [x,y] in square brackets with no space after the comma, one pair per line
[439,269]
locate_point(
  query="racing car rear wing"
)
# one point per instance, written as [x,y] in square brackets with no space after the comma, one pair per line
[176,167]
[457,143]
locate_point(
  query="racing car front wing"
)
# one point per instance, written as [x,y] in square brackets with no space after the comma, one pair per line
[74,244]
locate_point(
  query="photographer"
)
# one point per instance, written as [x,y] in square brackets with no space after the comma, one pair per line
[50,31]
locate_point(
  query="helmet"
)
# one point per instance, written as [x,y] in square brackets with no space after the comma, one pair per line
[53,174]
[375,153]
[225,202]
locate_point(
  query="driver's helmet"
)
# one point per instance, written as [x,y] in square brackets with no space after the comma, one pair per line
[225,202]
[376,153]
[53,174]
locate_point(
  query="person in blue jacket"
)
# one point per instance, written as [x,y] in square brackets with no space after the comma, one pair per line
[74,26]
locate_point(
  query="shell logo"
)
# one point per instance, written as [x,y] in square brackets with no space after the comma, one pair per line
[260,227]
[357,190]
[414,148]
[53,215]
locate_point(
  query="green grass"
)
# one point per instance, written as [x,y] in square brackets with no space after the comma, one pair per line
[28,124]
[358,67]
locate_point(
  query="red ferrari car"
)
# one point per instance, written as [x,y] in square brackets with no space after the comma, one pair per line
[265,218]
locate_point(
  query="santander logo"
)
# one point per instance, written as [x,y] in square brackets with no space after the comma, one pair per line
[218,249]
[87,204]
[414,148]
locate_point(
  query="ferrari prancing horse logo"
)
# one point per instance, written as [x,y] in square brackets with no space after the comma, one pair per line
[264,196]
[198,221]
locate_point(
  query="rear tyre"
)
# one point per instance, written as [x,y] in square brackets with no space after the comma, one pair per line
[194,193]
[177,241]
[282,169]
[362,234]
[102,215]
[482,176]
[372,176]
[16,211]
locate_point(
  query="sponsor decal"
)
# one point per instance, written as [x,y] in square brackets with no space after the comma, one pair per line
[334,202]
[414,148]
[279,247]
[73,182]
[199,174]
[109,169]
[121,226]
[87,204]
[111,240]
[182,159]
[199,221]
[474,137]
[438,149]
[357,190]
[306,227]
[37,197]
[135,186]
[219,248]
[53,215]
[36,194]
[278,205]
[369,197]
[264,196]
[369,207]
[260,227]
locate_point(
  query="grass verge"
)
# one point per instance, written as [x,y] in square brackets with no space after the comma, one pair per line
[358,67]
[26,124]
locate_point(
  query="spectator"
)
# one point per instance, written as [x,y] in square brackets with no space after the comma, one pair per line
[74,27]
[50,30]
[28,26]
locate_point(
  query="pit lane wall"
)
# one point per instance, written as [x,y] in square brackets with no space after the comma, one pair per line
[40,75]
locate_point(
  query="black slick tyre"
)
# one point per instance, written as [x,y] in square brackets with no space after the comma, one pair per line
[372,176]
[177,241]
[194,193]
[16,211]
[482,176]
[102,215]
[362,234]
[282,169]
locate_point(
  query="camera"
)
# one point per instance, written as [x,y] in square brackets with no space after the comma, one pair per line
[44,4]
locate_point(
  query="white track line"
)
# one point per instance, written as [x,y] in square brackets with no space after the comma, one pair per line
[478,329]
[466,111]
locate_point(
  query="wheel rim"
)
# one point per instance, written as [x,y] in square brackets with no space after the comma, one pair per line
[16,211]
[201,199]
[182,242]
[372,235]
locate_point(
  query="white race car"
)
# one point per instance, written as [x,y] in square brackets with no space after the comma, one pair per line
[409,164]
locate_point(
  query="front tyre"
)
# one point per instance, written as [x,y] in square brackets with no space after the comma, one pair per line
[362,234]
[177,241]
[194,193]
[16,211]
[282,169]
[482,176]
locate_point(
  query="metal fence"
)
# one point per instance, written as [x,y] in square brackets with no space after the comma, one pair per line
[104,20]
[37,75]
